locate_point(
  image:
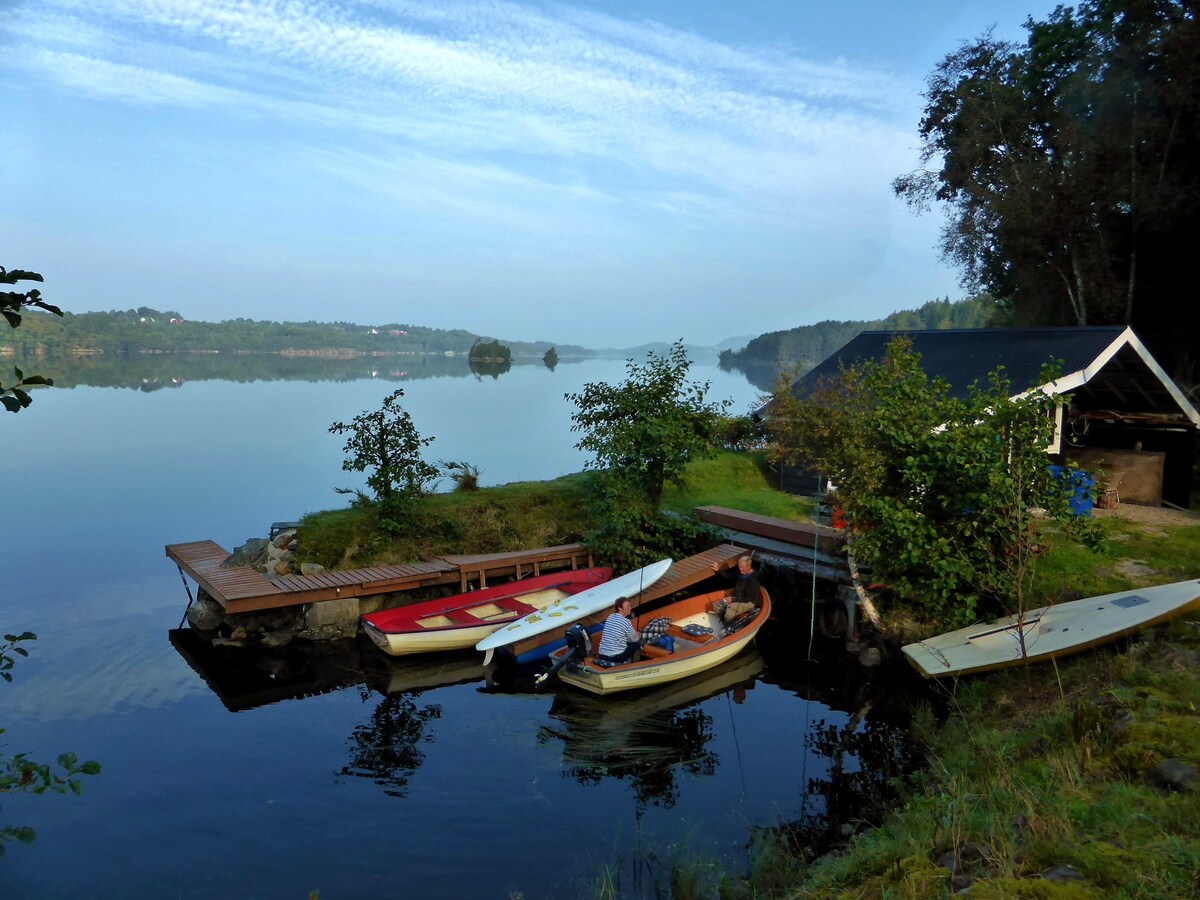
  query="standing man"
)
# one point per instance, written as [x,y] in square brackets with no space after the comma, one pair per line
[620,642]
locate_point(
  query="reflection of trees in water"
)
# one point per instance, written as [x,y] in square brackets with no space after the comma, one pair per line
[761,375]
[650,751]
[385,749]
[153,372]
[866,757]
[493,367]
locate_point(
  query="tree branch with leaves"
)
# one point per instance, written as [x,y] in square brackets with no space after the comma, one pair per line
[19,773]
[13,396]
[642,435]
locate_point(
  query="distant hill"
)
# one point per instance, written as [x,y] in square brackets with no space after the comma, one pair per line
[695,352]
[147,330]
[766,355]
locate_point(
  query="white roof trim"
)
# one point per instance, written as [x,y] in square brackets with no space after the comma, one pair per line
[1070,382]
[1177,395]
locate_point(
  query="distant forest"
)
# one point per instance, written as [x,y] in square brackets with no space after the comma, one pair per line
[808,345]
[145,330]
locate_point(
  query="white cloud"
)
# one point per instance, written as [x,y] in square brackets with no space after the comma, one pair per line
[508,128]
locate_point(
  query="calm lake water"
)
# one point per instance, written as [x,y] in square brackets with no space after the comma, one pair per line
[347,773]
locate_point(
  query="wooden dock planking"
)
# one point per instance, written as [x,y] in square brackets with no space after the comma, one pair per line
[804,534]
[514,562]
[202,560]
[244,589]
[684,573]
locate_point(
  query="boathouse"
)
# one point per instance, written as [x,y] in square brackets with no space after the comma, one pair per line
[1125,419]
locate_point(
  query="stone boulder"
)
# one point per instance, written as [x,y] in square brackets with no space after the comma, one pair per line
[281,554]
[1176,775]
[205,614]
[252,553]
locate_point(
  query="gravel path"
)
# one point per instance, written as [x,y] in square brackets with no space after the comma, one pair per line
[1148,515]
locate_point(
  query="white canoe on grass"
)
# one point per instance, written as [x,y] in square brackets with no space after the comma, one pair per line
[1051,631]
[569,609]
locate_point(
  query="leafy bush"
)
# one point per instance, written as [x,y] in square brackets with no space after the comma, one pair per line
[629,538]
[645,431]
[940,491]
[739,433]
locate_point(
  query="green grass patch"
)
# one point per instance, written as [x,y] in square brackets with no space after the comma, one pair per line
[1048,766]
[523,515]
[1168,554]
[738,481]
[515,516]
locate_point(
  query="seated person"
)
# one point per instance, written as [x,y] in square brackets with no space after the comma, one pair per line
[620,642]
[745,595]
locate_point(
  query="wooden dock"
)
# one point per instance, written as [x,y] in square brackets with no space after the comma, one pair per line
[801,534]
[685,573]
[803,546]
[516,564]
[245,589]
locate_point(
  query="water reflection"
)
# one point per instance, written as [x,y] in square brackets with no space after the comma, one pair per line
[414,674]
[860,754]
[648,737]
[847,725]
[866,755]
[761,375]
[245,678]
[493,367]
[155,372]
[386,748]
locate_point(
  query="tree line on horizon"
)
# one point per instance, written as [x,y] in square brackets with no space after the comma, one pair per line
[148,330]
[808,345]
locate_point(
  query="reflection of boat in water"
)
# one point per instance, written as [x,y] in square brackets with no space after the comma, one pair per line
[689,652]
[649,737]
[414,674]
[570,706]
[460,621]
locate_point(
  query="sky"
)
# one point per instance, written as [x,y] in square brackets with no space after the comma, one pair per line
[595,173]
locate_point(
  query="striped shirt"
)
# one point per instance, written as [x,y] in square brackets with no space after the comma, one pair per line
[618,635]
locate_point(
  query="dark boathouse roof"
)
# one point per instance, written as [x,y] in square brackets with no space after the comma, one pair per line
[1103,367]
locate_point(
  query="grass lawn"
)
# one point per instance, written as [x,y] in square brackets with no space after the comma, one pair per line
[524,515]
[1056,764]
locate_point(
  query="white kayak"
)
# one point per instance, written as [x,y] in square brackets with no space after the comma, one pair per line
[576,606]
[1051,631]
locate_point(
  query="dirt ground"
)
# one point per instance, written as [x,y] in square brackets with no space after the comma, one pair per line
[1160,516]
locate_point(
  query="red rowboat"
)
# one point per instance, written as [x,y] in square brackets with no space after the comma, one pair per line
[454,623]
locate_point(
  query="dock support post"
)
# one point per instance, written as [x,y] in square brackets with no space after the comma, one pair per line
[191,599]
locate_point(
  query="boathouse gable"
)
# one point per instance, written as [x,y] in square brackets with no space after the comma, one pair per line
[1126,419]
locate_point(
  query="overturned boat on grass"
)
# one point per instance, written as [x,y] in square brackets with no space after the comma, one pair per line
[1050,631]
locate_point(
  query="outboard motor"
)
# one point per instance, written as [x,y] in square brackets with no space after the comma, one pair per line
[579,645]
[578,640]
